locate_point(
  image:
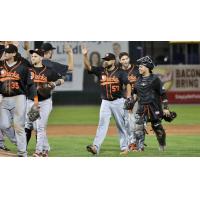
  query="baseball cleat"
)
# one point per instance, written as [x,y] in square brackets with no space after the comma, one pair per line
[45,153]
[4,148]
[140,149]
[124,153]
[132,147]
[92,149]
[161,148]
[37,154]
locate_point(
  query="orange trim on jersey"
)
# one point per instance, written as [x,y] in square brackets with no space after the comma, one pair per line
[111,91]
[132,67]
[11,68]
[36,100]
[115,80]
[107,91]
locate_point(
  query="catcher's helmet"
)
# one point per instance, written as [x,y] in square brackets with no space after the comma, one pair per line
[146,61]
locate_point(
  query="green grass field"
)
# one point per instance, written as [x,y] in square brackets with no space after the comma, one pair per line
[74,146]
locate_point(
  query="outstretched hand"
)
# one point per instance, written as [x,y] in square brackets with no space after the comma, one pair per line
[84,50]
[68,49]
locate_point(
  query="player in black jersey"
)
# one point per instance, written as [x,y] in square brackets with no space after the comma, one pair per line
[111,79]
[41,76]
[133,130]
[15,85]
[151,97]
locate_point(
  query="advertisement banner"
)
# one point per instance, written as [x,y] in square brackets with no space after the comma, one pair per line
[182,82]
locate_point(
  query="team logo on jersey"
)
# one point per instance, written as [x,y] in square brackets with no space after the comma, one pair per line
[109,80]
[40,78]
[5,75]
[143,84]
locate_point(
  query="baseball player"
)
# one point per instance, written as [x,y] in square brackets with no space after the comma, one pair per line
[42,76]
[48,55]
[59,68]
[150,91]
[15,84]
[132,73]
[111,80]
[2,145]
[10,133]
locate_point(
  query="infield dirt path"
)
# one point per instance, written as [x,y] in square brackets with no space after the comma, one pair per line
[85,130]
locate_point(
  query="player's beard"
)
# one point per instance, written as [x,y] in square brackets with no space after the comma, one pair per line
[107,66]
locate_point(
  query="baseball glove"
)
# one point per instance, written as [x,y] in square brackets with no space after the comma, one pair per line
[129,104]
[34,113]
[170,118]
[45,89]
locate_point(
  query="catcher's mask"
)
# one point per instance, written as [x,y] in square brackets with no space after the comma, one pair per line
[147,62]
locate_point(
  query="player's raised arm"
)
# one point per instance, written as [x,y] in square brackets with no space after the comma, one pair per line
[70,57]
[85,58]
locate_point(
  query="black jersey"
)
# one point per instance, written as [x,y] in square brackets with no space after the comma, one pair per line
[150,90]
[16,80]
[111,82]
[43,75]
[132,73]
[57,67]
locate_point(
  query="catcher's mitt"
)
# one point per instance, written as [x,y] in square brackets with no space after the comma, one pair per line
[129,104]
[170,118]
[34,113]
[45,89]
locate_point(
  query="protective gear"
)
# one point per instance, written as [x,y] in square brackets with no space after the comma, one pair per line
[146,61]
[129,103]
[45,89]
[170,118]
[160,133]
[34,113]
[139,132]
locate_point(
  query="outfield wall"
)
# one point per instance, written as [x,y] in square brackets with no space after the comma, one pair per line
[182,83]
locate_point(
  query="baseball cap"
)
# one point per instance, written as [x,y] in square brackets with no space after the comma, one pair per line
[40,52]
[109,56]
[47,47]
[11,48]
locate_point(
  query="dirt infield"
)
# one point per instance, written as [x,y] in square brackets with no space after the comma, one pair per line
[91,130]
[7,154]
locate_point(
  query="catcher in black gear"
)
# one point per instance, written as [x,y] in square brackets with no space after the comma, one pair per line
[152,99]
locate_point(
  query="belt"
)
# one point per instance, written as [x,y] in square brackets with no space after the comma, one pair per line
[111,99]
